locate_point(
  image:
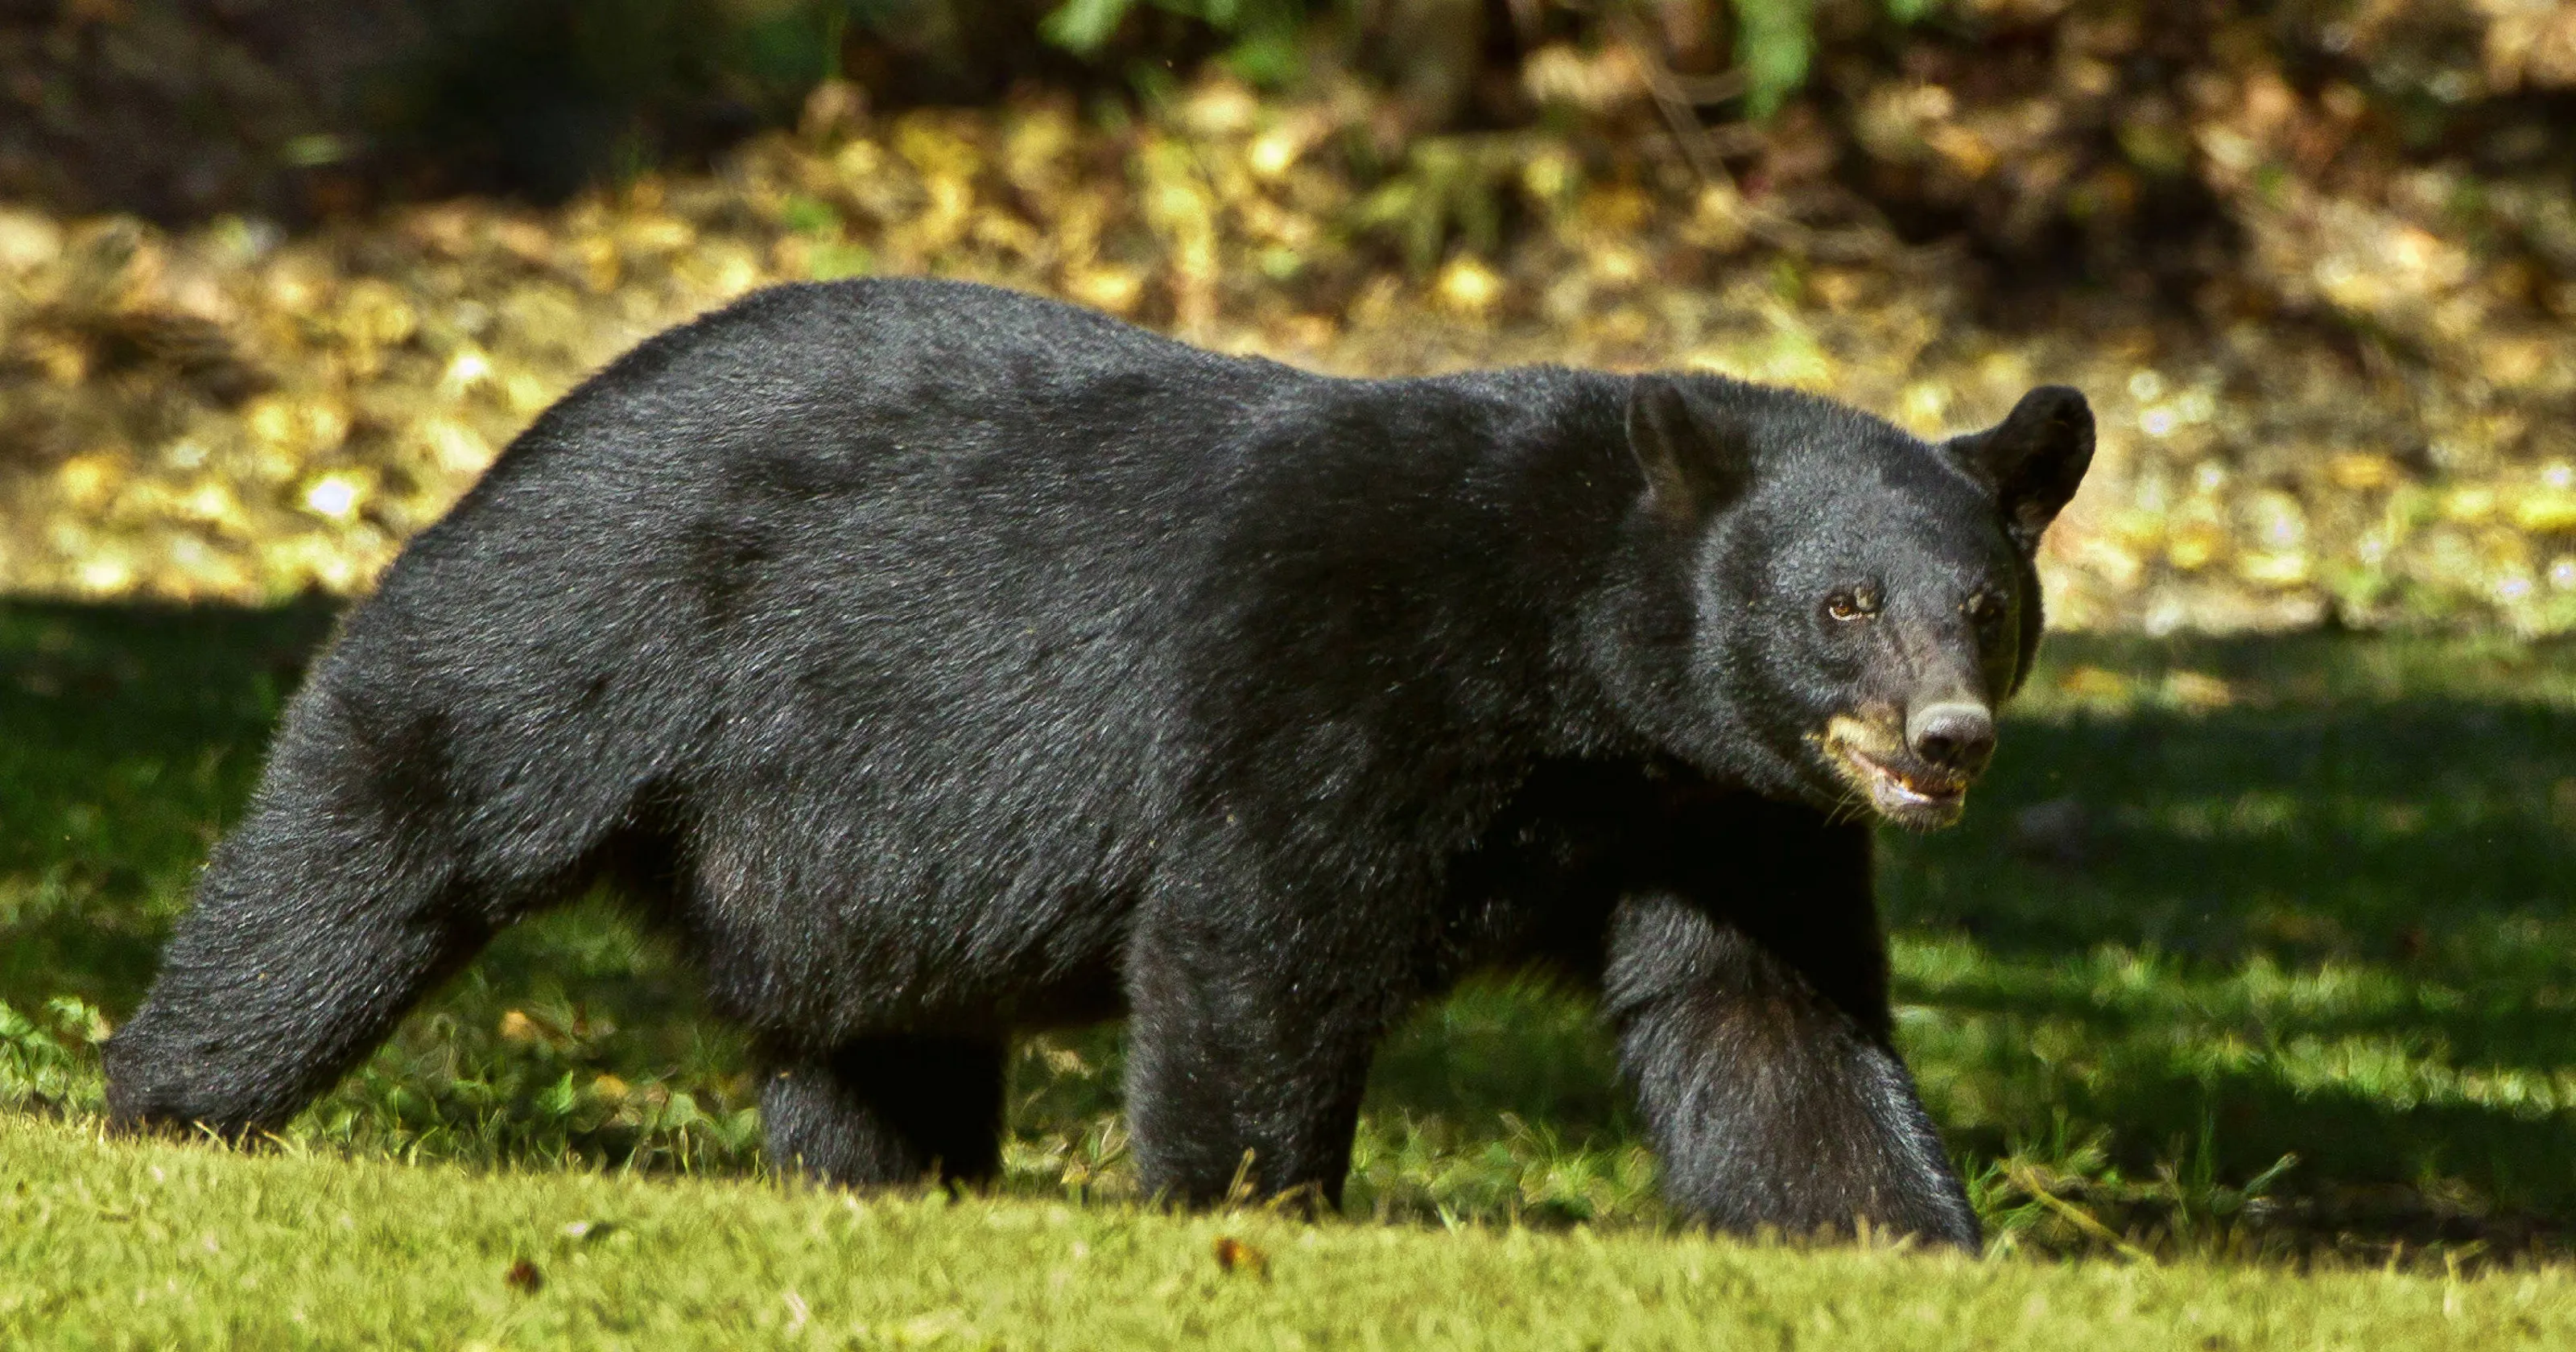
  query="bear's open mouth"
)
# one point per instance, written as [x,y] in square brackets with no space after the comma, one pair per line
[1909,790]
[1918,798]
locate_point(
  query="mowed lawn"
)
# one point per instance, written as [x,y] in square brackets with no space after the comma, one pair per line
[172,1246]
[2252,958]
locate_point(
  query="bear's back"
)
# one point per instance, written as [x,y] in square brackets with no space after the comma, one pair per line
[818,462]
[923,540]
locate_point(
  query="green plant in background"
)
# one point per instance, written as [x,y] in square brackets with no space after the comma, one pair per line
[1449,185]
[783,50]
[1264,33]
[51,1064]
[549,94]
[1774,41]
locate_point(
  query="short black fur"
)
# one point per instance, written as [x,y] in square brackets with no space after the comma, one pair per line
[943,663]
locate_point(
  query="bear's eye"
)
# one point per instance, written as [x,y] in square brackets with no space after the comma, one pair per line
[1985,610]
[1856,603]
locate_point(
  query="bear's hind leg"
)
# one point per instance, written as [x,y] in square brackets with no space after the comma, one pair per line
[885,1110]
[317,923]
[1245,1065]
[386,844]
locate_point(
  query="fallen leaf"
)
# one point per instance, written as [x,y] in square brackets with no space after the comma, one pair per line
[1233,1255]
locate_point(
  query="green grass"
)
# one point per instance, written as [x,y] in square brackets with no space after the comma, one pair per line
[143,1245]
[2299,988]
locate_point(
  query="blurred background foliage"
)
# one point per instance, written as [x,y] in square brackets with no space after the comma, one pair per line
[544,96]
[278,277]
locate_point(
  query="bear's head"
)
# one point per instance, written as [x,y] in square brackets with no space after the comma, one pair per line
[1826,608]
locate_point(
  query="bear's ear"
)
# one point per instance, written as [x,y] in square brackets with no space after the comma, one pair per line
[2034,458]
[1696,459]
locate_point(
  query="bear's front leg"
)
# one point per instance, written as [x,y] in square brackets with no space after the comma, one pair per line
[1756,1034]
[1246,1061]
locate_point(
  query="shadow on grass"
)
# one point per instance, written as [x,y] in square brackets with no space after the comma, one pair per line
[2324,914]
[126,736]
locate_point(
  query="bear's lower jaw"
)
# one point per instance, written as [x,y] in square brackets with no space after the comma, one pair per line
[1918,801]
[1918,804]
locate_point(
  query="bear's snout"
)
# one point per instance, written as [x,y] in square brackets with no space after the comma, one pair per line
[1889,765]
[1953,735]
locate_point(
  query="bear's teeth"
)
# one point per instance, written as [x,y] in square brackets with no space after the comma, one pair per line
[1906,787]
[1910,793]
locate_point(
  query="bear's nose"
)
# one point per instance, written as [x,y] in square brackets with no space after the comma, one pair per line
[1953,734]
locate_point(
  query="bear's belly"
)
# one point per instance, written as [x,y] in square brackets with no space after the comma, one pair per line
[925,964]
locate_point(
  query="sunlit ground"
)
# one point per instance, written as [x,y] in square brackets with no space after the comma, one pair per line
[2245,948]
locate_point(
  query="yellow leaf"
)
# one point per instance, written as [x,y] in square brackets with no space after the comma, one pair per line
[1469,288]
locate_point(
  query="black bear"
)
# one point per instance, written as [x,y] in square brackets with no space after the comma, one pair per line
[941,663]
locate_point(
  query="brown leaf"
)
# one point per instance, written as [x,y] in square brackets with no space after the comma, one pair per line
[524,1278]
[1233,1255]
